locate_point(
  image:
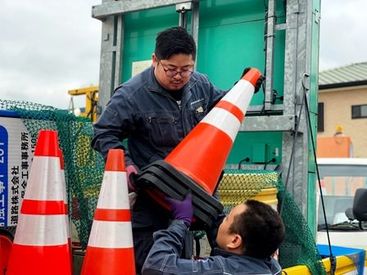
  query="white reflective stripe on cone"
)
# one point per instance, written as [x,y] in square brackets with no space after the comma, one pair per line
[41,230]
[115,235]
[44,181]
[224,121]
[240,95]
[113,194]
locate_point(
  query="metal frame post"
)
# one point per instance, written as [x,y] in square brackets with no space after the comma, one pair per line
[297,68]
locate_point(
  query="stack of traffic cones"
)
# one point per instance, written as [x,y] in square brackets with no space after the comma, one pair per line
[110,246]
[40,244]
[198,160]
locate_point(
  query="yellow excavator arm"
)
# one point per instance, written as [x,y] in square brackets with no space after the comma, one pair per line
[91,99]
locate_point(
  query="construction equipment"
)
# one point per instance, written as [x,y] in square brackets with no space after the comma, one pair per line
[91,99]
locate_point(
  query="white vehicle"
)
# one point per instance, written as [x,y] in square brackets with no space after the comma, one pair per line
[340,178]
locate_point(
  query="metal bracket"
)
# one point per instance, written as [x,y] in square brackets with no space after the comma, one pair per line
[317,16]
[182,9]
[123,6]
[269,123]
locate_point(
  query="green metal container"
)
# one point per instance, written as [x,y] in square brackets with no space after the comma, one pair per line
[278,37]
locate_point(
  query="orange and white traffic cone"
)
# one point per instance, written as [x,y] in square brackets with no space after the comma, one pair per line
[202,154]
[110,247]
[40,245]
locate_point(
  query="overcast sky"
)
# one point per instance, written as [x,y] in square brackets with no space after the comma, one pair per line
[50,46]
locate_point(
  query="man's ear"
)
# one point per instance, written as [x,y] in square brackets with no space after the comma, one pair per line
[154,59]
[236,242]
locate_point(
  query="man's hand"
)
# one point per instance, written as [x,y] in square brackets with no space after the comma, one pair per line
[258,82]
[182,210]
[131,171]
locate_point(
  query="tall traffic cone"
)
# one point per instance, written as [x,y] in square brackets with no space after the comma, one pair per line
[202,154]
[40,245]
[198,160]
[110,247]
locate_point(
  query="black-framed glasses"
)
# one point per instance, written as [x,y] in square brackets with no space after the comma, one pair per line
[173,72]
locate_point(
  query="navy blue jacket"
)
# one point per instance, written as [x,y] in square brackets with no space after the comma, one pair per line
[153,123]
[164,258]
[151,120]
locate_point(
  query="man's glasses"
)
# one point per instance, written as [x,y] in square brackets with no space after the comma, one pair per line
[174,72]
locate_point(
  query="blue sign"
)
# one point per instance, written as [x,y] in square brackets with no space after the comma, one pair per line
[4,142]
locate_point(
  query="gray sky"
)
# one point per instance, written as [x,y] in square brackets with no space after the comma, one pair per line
[46,48]
[50,46]
[343,36]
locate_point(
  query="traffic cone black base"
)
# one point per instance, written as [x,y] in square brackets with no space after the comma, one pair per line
[163,177]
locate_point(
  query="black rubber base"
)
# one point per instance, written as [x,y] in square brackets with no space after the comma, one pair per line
[164,177]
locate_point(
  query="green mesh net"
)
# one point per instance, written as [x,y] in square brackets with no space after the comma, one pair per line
[84,171]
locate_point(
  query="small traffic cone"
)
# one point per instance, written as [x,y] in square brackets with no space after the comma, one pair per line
[202,154]
[110,247]
[40,245]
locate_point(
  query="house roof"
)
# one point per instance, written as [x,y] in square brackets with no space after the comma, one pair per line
[346,76]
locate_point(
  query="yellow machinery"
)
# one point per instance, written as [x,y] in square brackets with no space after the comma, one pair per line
[91,99]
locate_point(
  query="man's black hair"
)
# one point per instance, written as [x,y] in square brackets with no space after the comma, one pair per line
[260,228]
[172,41]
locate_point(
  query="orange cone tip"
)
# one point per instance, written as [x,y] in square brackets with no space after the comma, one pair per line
[115,160]
[252,76]
[47,144]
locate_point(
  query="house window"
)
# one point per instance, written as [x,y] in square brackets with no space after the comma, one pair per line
[359,111]
[320,117]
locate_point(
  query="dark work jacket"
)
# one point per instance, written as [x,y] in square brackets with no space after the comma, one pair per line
[153,123]
[164,258]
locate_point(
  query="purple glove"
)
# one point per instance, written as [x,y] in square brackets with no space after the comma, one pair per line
[182,210]
[131,171]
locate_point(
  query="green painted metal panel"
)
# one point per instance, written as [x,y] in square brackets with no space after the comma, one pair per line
[141,29]
[231,37]
[244,149]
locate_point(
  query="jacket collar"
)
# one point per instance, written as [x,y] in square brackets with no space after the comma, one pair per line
[269,262]
[220,252]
